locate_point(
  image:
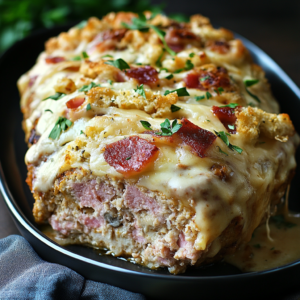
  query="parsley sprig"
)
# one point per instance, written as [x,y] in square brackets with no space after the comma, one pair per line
[248,83]
[62,124]
[140,23]
[140,90]
[87,87]
[118,63]
[175,108]
[166,128]
[180,92]
[224,137]
[231,105]
[56,96]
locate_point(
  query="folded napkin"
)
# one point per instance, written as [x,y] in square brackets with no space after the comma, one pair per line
[24,275]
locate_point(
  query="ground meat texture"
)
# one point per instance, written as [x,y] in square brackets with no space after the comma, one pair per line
[146,75]
[131,155]
[227,116]
[197,138]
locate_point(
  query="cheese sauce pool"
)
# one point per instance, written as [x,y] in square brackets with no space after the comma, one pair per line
[264,252]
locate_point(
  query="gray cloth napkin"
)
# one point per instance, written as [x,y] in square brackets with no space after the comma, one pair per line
[24,275]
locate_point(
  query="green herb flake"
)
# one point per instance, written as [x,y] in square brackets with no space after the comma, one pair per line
[118,63]
[281,223]
[128,158]
[88,107]
[175,108]
[110,82]
[178,71]
[167,129]
[163,69]
[250,82]
[204,78]
[169,76]
[208,95]
[198,98]
[81,132]
[231,127]
[231,105]
[76,58]
[191,54]
[180,92]
[158,62]
[258,246]
[107,55]
[221,151]
[207,120]
[56,96]
[146,125]
[140,90]
[81,25]
[223,136]
[84,54]
[86,88]
[62,124]
[189,65]
[220,90]
[49,110]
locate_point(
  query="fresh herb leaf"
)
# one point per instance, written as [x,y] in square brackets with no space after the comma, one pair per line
[198,98]
[180,92]
[208,120]
[167,129]
[219,90]
[140,90]
[61,124]
[178,71]
[118,63]
[81,132]
[189,65]
[258,246]
[158,62]
[84,54]
[220,150]
[223,136]
[163,69]
[49,110]
[280,222]
[110,82]
[169,76]
[192,54]
[81,25]
[250,82]
[128,158]
[56,96]
[146,125]
[231,127]
[204,78]
[86,88]
[175,108]
[76,58]
[107,55]
[88,107]
[208,95]
[231,105]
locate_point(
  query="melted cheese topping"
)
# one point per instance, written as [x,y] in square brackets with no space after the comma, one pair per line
[117,109]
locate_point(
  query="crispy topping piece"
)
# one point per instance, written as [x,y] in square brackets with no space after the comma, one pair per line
[227,117]
[197,138]
[131,155]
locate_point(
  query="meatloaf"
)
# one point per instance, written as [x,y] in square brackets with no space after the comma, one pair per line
[157,140]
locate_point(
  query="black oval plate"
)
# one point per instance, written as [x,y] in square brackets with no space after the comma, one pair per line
[217,281]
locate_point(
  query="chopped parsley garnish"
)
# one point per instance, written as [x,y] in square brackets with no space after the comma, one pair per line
[166,128]
[128,158]
[204,78]
[280,222]
[258,246]
[219,90]
[75,58]
[107,55]
[198,98]
[220,150]
[140,90]
[169,76]
[84,54]
[248,83]
[207,120]
[175,108]
[141,24]
[192,54]
[223,136]
[49,110]
[180,92]
[86,88]
[81,132]
[158,62]
[231,105]
[81,25]
[178,71]
[231,127]
[118,63]
[88,107]
[61,124]
[189,65]
[163,69]
[110,82]
[56,96]
[208,95]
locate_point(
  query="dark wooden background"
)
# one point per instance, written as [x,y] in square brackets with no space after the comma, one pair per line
[272,25]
